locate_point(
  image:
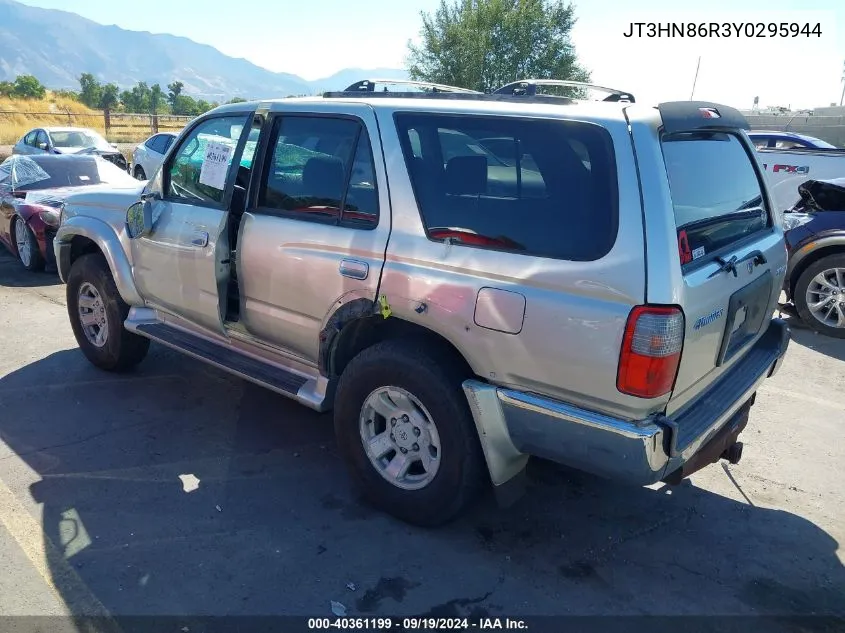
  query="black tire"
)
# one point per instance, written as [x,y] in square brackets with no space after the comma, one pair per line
[122,349]
[800,295]
[36,260]
[432,377]
[140,174]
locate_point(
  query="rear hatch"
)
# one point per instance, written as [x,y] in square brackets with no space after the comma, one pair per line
[731,253]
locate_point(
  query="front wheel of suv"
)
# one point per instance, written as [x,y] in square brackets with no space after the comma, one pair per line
[405,430]
[97,313]
[820,295]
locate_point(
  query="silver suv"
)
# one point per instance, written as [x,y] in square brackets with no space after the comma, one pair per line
[465,279]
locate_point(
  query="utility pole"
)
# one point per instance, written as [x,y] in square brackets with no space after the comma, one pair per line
[843,84]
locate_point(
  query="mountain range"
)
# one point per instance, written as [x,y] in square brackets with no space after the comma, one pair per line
[58,46]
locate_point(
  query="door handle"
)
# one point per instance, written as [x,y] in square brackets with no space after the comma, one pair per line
[354,269]
[200,239]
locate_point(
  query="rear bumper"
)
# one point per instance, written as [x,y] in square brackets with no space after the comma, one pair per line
[513,425]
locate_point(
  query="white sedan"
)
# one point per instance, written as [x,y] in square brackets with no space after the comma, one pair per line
[149,155]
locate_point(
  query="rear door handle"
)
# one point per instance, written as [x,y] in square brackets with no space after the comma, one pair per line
[354,269]
[200,239]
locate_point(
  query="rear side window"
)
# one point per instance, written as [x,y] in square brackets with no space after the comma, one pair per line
[321,168]
[539,187]
[715,191]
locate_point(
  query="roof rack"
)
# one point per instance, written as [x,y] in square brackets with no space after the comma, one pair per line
[528,88]
[450,96]
[369,85]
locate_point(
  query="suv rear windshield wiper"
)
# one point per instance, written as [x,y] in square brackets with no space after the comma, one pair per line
[719,219]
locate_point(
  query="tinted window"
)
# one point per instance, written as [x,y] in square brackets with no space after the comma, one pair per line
[538,187]
[154,144]
[212,141]
[790,144]
[29,139]
[715,191]
[41,138]
[168,141]
[321,168]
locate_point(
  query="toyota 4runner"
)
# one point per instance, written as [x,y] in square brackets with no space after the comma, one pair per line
[465,279]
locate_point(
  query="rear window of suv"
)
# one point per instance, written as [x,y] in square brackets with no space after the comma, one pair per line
[533,186]
[715,191]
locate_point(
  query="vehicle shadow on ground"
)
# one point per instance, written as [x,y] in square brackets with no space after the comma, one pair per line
[179,490]
[14,275]
[802,335]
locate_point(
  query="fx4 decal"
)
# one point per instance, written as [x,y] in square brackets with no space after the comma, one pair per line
[789,169]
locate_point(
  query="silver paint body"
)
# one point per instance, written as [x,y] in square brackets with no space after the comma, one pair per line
[542,336]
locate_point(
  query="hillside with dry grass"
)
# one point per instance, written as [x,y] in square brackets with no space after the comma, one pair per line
[18,116]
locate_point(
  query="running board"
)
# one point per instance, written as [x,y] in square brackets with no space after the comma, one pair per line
[278,379]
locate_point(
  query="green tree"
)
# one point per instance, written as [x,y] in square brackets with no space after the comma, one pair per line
[156,100]
[28,87]
[237,100]
[91,92]
[484,44]
[110,97]
[174,91]
[137,99]
[7,88]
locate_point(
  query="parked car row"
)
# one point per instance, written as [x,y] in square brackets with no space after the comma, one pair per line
[68,140]
[146,157]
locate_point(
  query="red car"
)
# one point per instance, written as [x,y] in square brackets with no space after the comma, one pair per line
[32,189]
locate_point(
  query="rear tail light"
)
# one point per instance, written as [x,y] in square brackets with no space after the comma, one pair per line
[651,351]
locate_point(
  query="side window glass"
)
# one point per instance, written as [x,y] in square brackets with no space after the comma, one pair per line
[251,145]
[535,187]
[152,143]
[41,138]
[30,139]
[198,171]
[321,168]
[168,141]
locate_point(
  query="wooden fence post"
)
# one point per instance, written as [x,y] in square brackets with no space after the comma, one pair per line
[107,120]
[155,123]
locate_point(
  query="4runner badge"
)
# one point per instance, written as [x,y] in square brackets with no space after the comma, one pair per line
[707,320]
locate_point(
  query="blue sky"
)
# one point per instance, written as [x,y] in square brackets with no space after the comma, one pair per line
[314,38]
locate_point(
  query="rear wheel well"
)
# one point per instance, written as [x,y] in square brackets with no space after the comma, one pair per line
[809,260]
[365,332]
[13,229]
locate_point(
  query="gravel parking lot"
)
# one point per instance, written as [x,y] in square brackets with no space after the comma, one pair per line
[181,490]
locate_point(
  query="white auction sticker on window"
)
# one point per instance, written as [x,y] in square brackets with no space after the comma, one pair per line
[215,165]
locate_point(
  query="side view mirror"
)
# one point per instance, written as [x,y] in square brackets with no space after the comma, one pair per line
[139,219]
[43,146]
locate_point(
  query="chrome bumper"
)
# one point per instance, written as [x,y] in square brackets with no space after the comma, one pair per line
[513,425]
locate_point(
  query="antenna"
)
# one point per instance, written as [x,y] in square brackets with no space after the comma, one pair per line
[695,81]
